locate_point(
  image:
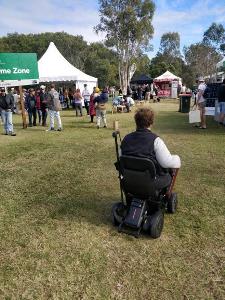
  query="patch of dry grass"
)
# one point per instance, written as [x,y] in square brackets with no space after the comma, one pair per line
[57,240]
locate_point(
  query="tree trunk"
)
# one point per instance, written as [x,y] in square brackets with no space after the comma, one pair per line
[120,79]
[124,78]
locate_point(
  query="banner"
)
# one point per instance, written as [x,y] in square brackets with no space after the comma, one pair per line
[18,69]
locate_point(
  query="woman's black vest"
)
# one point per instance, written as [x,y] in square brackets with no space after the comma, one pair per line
[141,144]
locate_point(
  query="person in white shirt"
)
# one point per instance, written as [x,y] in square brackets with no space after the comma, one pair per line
[201,102]
[144,143]
[16,97]
[54,107]
[86,96]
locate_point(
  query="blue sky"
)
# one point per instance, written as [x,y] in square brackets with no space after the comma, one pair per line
[188,17]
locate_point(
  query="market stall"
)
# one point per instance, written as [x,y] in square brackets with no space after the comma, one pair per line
[53,67]
[167,85]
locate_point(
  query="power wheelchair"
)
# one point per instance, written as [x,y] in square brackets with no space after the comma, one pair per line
[145,201]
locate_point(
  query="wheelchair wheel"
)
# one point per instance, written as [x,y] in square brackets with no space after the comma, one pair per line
[172,203]
[154,224]
[118,212]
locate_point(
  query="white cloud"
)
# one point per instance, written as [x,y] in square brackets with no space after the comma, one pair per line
[189,17]
[24,16]
[190,22]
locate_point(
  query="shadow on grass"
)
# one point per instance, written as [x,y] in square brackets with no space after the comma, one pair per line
[93,210]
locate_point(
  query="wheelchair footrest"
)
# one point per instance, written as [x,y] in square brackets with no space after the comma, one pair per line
[130,231]
[135,214]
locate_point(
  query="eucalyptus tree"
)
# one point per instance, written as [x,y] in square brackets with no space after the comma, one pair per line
[214,36]
[127,25]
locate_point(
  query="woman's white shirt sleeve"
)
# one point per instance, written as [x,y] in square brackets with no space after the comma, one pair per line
[164,157]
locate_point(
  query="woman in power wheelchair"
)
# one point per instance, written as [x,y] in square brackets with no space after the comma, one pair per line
[147,173]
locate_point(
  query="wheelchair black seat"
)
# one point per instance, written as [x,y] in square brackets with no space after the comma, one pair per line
[146,196]
[139,177]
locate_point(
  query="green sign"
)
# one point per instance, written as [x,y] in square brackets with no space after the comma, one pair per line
[18,66]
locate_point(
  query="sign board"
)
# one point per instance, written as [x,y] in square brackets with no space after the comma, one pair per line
[210,111]
[18,69]
[174,84]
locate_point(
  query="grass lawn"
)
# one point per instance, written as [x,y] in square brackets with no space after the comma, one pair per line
[56,236]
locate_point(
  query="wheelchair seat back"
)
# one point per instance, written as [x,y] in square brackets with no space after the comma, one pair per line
[138,176]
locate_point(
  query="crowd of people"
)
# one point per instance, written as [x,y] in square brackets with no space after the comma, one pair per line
[40,103]
[144,92]
[121,101]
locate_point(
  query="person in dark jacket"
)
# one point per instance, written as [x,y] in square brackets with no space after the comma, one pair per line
[100,104]
[38,105]
[146,144]
[30,105]
[139,93]
[6,107]
[44,108]
[221,100]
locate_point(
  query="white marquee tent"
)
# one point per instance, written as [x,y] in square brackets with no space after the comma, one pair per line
[53,67]
[167,76]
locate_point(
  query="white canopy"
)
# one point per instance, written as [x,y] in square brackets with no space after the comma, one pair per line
[167,76]
[54,67]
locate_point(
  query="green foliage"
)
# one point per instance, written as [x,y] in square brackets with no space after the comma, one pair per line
[72,47]
[215,36]
[170,44]
[102,63]
[95,60]
[202,59]
[143,64]
[169,56]
[161,63]
[128,29]
[188,75]
[126,23]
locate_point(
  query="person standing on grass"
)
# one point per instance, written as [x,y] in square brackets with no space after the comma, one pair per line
[38,105]
[78,102]
[147,92]
[221,100]
[16,101]
[100,104]
[86,95]
[66,98]
[54,107]
[43,102]
[201,102]
[30,105]
[6,107]
[139,93]
[92,111]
